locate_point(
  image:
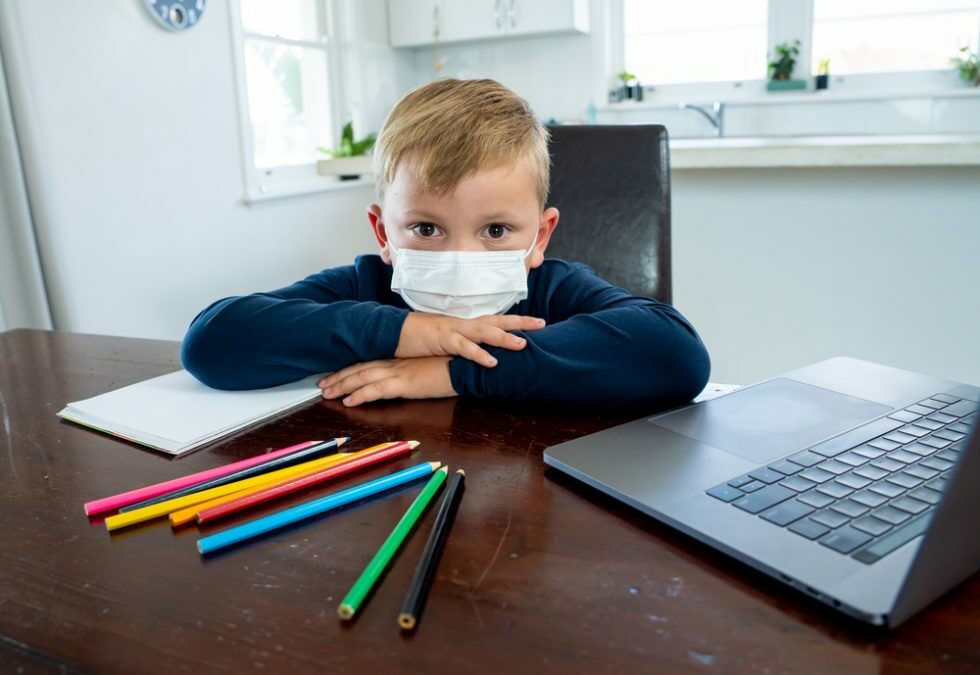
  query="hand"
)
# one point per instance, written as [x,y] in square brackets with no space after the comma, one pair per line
[423,377]
[435,335]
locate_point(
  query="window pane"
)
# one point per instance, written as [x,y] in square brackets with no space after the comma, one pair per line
[867,36]
[293,19]
[699,41]
[288,102]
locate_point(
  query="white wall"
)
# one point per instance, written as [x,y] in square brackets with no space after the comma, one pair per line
[134,166]
[780,268]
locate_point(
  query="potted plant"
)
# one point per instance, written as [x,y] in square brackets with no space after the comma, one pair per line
[630,87]
[781,70]
[969,66]
[823,74]
[351,159]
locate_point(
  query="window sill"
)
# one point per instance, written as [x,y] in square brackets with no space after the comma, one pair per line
[825,151]
[304,188]
[751,98]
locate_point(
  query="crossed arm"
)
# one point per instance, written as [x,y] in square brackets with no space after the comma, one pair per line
[600,348]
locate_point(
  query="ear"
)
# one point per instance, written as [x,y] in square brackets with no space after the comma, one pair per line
[378,227]
[547,225]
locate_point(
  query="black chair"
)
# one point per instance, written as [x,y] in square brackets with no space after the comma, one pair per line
[611,185]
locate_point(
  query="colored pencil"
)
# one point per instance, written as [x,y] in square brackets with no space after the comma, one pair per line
[254,528]
[163,508]
[125,498]
[324,448]
[190,514]
[281,488]
[369,577]
[425,572]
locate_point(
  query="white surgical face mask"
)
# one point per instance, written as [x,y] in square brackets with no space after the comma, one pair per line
[464,284]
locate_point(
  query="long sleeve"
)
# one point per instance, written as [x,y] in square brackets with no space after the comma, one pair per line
[602,348]
[320,324]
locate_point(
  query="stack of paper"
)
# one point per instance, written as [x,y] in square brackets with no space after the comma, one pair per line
[176,413]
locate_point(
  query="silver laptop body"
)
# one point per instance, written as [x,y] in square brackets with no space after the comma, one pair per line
[682,466]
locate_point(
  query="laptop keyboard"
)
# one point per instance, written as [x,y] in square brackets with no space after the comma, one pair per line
[867,491]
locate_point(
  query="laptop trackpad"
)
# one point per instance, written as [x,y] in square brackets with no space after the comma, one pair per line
[770,420]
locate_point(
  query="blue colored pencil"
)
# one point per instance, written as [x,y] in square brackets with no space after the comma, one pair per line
[254,528]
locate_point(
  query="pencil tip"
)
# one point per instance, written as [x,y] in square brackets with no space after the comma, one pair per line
[460,472]
[435,465]
[342,440]
[406,621]
[445,469]
[414,444]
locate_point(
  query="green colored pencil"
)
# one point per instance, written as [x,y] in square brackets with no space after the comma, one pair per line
[355,596]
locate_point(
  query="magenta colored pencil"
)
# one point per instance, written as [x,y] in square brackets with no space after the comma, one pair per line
[133,496]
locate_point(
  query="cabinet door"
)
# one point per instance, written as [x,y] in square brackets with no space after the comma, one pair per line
[474,20]
[527,17]
[412,23]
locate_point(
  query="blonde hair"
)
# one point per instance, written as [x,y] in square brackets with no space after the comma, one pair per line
[450,128]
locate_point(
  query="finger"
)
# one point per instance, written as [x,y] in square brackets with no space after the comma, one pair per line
[382,389]
[468,349]
[491,335]
[512,322]
[356,380]
[333,378]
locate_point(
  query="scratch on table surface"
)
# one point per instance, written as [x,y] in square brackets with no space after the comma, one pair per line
[43,454]
[496,553]
[8,441]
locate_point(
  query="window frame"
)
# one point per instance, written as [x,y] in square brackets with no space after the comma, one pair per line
[263,183]
[787,20]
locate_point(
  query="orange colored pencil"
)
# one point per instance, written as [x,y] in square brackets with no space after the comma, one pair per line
[189,513]
[269,492]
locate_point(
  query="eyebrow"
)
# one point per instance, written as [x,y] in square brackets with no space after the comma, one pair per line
[496,217]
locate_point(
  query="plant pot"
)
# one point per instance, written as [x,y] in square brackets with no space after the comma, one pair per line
[785,85]
[821,81]
[345,168]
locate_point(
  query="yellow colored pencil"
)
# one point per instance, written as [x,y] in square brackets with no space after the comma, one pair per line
[163,508]
[189,514]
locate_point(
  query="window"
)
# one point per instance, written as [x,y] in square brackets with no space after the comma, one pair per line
[289,91]
[720,48]
[880,36]
[668,42]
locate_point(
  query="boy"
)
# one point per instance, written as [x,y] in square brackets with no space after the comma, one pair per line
[462,170]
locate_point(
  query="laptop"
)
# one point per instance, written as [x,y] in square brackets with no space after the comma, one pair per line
[853,482]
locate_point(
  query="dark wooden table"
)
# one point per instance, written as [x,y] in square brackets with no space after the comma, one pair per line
[541,574]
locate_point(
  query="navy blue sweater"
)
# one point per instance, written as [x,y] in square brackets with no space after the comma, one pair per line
[602,347]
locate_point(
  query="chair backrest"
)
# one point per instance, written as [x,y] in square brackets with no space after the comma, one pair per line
[611,186]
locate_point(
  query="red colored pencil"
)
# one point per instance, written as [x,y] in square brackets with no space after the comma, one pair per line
[294,484]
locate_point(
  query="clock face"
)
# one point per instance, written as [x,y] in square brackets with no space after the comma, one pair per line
[176,15]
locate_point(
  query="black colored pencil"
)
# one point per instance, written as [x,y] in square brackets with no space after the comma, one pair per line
[325,448]
[418,591]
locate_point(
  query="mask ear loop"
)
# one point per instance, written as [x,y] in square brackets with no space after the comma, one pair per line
[533,242]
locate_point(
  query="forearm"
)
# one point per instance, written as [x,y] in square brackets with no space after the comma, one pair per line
[636,356]
[260,341]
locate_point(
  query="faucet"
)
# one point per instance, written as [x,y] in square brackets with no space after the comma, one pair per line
[717,120]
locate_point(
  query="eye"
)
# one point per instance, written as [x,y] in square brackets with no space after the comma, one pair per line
[496,230]
[425,230]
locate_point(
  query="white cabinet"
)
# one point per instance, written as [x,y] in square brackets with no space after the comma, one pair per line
[414,23]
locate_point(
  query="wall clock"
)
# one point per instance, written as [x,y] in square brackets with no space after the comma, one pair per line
[176,15]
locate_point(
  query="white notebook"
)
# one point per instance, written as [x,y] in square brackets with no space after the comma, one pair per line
[176,413]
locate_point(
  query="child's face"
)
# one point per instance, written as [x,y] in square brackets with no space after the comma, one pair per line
[489,210]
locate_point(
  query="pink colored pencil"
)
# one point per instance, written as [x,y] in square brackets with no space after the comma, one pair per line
[150,491]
